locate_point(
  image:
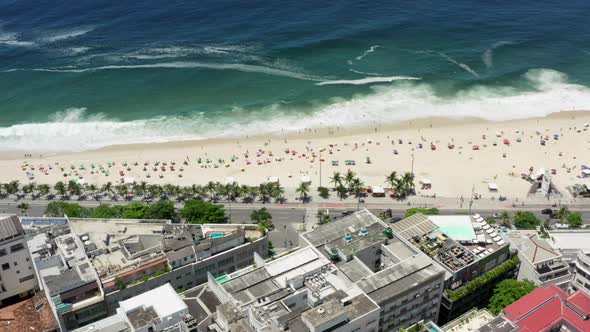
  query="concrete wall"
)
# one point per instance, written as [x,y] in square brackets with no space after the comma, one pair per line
[16,269]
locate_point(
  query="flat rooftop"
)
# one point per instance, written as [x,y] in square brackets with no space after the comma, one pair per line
[337,229]
[571,240]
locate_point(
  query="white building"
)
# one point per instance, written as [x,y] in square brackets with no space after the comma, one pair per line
[17,276]
[575,248]
[159,309]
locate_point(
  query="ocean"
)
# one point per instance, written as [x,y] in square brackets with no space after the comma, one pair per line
[88,74]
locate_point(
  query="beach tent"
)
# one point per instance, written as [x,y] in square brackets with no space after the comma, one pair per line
[378,191]
[230,180]
[586,173]
[273,179]
[492,186]
[129,180]
[306,179]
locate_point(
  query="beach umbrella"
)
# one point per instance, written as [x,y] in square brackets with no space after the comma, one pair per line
[208,159]
[92,165]
[72,166]
[199,160]
[232,158]
[109,164]
[219,160]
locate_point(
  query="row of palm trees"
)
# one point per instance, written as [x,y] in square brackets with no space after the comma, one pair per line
[212,191]
[347,184]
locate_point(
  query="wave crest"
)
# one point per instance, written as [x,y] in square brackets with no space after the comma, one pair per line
[74,129]
[369,80]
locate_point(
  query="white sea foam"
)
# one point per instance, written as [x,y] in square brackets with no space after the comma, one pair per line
[11,39]
[488,55]
[76,50]
[367,52]
[369,80]
[66,34]
[217,66]
[74,130]
[363,72]
[460,64]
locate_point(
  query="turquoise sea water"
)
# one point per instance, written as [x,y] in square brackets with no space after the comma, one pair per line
[82,75]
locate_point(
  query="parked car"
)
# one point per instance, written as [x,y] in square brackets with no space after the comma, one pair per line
[346,213]
[395,219]
[547,211]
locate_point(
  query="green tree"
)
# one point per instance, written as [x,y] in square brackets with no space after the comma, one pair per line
[505,217]
[120,284]
[349,177]
[72,210]
[61,189]
[562,213]
[104,211]
[199,212]
[574,220]
[303,190]
[23,207]
[525,220]
[391,179]
[162,210]
[507,292]
[260,215]
[324,192]
[336,179]
[413,211]
[271,249]
[341,191]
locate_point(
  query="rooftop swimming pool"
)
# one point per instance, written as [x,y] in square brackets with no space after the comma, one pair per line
[214,235]
[458,228]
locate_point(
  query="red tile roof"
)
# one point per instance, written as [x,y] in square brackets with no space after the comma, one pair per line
[549,306]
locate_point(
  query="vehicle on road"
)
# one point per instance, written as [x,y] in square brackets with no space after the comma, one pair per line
[395,219]
[547,211]
[346,213]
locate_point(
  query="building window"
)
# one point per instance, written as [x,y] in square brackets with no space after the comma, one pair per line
[17,247]
[2,252]
[29,277]
[15,263]
[5,266]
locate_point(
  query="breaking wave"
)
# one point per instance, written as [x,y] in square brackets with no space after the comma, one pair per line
[68,34]
[75,129]
[369,80]
[179,64]
[367,52]
[488,55]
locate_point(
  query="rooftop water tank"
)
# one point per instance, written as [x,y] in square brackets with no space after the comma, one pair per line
[363,231]
[347,237]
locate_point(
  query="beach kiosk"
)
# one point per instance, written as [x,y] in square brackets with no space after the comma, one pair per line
[378,191]
[492,186]
[306,179]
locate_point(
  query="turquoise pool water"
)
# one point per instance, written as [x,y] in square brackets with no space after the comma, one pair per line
[457,227]
[214,235]
[223,278]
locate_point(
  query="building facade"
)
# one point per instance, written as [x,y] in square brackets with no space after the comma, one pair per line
[17,276]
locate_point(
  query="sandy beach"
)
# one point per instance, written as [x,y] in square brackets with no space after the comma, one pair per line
[505,151]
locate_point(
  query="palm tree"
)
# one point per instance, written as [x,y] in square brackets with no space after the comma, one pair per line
[211,190]
[349,177]
[141,189]
[154,190]
[342,191]
[121,190]
[408,180]
[391,179]
[28,189]
[61,189]
[74,189]
[278,193]
[356,188]
[108,188]
[264,191]
[12,188]
[562,213]
[303,190]
[336,179]
[43,190]
[23,207]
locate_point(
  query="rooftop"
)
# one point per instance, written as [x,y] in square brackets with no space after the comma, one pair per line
[469,321]
[33,314]
[534,248]
[550,307]
[10,227]
[159,302]
[575,240]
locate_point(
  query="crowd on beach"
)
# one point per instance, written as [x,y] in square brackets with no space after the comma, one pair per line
[369,154]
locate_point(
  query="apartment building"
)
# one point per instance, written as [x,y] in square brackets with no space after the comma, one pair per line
[17,277]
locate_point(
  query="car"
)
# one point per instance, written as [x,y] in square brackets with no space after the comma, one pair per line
[395,219]
[547,211]
[346,213]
